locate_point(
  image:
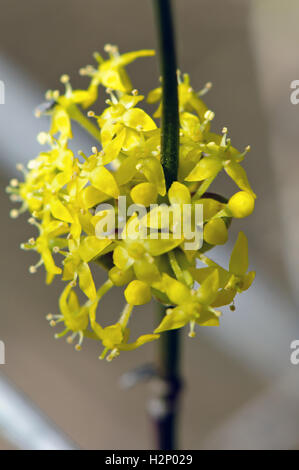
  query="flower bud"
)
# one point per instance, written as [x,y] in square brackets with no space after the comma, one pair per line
[138,293]
[120,277]
[215,232]
[241,204]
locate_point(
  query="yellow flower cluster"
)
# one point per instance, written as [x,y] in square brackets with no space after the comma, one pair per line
[62,191]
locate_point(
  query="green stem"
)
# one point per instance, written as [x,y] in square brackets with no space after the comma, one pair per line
[164,405]
[170,114]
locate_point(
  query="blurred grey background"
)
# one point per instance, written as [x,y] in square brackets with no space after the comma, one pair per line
[241,390]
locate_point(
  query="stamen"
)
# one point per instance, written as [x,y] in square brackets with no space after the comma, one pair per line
[103,355]
[206,89]
[64,78]
[14,213]
[209,115]
[114,353]
[78,346]
[110,49]
[192,333]
[179,76]
[42,138]
[15,198]
[63,333]
[14,183]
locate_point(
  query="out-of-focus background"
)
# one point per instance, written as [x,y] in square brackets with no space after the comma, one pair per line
[241,390]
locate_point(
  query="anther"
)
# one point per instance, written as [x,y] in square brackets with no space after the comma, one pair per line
[209,115]
[14,182]
[64,78]
[14,213]
[32,269]
[42,138]
[134,92]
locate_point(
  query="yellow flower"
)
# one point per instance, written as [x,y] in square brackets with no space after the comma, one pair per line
[148,255]
[192,306]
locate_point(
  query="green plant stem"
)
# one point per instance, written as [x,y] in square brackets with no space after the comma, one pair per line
[164,405]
